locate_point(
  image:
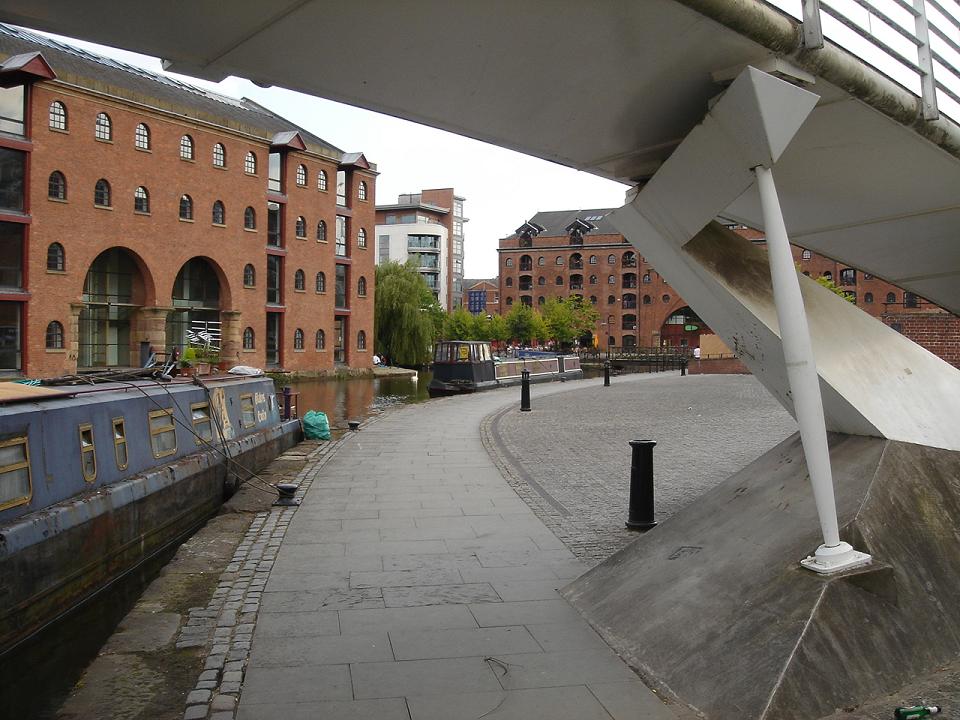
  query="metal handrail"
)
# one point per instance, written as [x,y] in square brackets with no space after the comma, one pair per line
[930,26]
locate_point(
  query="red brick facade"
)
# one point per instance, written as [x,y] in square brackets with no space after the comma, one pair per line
[160,242]
[607,284]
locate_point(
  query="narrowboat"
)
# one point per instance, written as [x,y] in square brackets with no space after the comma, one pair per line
[466,366]
[97,479]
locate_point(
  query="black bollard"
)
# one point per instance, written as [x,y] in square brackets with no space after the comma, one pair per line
[640,516]
[606,374]
[287,397]
[683,366]
[525,390]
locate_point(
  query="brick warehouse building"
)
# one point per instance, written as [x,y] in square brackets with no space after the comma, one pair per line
[136,209]
[577,252]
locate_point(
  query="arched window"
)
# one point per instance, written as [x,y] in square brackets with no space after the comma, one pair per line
[103,130]
[219,213]
[611,259]
[629,259]
[361,238]
[559,260]
[509,301]
[301,227]
[646,278]
[141,200]
[250,219]
[508,262]
[322,181]
[58,115]
[321,231]
[186,147]
[298,339]
[593,260]
[54,336]
[611,280]
[249,275]
[868,298]
[56,257]
[827,275]
[301,176]
[101,193]
[320,342]
[186,207]
[250,163]
[509,282]
[891,297]
[611,299]
[593,279]
[806,255]
[559,280]
[299,281]
[666,298]
[541,280]
[141,137]
[647,300]
[248,339]
[321,282]
[57,186]
[362,287]
[593,299]
[362,191]
[541,300]
[541,261]
[361,340]
[219,155]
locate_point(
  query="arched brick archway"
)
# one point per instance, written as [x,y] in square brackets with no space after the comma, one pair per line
[200,298]
[117,288]
[681,327]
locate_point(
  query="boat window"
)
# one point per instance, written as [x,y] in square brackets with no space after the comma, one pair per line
[200,414]
[88,453]
[248,416]
[15,488]
[120,443]
[163,433]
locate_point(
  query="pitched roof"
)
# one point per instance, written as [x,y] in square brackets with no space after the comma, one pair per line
[556,222]
[102,74]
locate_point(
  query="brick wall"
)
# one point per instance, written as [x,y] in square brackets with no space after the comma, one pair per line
[937,332]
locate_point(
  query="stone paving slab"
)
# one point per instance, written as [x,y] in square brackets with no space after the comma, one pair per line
[413,581]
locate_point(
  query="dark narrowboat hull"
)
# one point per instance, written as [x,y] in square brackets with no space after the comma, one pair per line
[57,557]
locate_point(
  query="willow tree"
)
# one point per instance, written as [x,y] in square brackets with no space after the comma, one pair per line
[403,321]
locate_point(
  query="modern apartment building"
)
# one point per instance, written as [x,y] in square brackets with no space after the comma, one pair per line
[137,212]
[578,252]
[426,227]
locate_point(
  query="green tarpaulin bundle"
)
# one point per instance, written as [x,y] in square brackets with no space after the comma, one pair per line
[316,426]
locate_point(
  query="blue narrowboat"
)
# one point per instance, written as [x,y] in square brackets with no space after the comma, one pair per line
[97,479]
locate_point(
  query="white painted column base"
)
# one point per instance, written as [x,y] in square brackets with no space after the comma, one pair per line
[828,560]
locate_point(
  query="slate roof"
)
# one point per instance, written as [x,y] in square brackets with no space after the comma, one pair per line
[555,222]
[101,74]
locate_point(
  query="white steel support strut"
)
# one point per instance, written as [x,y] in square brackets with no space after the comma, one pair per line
[833,555]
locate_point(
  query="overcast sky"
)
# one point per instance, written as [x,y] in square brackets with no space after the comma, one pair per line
[502,188]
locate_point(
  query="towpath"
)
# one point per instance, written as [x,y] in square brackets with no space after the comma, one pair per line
[415,582]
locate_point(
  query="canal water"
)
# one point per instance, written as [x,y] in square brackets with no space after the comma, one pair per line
[36,678]
[357,398]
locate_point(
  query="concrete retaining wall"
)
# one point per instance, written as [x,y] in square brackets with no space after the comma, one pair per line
[713,608]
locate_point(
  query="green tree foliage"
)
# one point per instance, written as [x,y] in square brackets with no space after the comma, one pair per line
[522,323]
[832,287]
[404,315]
[460,325]
[498,328]
[569,318]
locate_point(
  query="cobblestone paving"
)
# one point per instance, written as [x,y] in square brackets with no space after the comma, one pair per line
[225,626]
[569,458]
